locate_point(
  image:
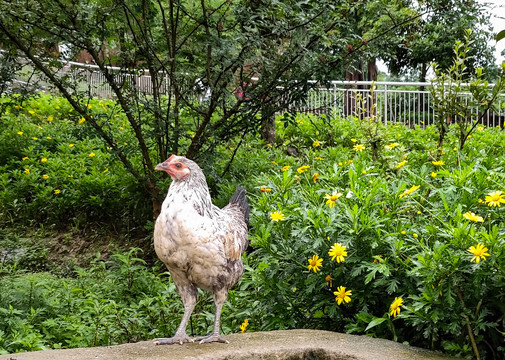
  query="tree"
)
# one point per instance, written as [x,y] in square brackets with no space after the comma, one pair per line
[187,47]
[431,37]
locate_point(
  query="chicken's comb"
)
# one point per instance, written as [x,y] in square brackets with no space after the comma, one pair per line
[171,157]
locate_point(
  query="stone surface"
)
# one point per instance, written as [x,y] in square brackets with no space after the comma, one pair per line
[273,345]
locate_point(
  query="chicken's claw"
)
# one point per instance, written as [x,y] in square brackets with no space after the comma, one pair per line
[181,339]
[212,338]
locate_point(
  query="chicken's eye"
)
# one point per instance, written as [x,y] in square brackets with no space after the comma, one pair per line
[178,165]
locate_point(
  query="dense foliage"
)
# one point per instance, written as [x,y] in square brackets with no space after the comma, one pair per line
[220,60]
[413,226]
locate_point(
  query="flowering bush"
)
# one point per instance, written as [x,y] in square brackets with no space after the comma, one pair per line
[56,171]
[407,246]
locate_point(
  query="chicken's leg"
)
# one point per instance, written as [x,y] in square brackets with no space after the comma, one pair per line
[219,299]
[189,295]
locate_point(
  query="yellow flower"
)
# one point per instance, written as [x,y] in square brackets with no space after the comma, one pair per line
[43,159]
[34,138]
[358,147]
[480,128]
[316,144]
[415,235]
[81,120]
[495,198]
[319,158]
[395,306]
[45,176]
[50,118]
[70,145]
[31,112]
[315,177]
[244,325]
[89,106]
[265,189]
[27,171]
[438,163]
[20,133]
[277,216]
[332,198]
[57,191]
[106,170]
[315,263]
[403,232]
[91,154]
[338,251]
[57,107]
[286,168]
[329,280]
[342,295]
[391,146]
[478,252]
[25,158]
[48,138]
[339,164]
[378,259]
[409,191]
[354,140]
[302,169]
[433,174]
[401,164]
[274,162]
[472,217]
[364,172]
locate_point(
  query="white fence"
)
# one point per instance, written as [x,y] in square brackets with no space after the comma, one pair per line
[409,103]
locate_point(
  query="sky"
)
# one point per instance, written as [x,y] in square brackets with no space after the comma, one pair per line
[497,10]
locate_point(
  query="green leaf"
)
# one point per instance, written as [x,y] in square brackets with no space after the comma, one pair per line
[500,35]
[375,322]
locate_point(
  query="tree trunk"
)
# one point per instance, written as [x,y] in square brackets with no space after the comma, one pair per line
[372,70]
[349,96]
[268,125]
[371,100]
[421,100]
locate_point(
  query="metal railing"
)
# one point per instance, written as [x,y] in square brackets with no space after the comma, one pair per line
[408,103]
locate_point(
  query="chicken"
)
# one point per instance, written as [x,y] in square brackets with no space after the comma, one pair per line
[200,244]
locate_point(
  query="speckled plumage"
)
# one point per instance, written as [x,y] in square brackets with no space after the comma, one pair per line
[200,244]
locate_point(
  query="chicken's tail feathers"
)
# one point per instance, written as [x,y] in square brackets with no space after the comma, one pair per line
[240,199]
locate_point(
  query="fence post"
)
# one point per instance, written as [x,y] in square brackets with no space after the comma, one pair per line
[385,104]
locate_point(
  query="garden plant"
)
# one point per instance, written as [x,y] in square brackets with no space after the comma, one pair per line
[401,240]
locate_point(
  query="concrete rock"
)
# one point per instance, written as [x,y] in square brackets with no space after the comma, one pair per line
[273,345]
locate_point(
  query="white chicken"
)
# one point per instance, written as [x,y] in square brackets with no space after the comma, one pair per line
[200,244]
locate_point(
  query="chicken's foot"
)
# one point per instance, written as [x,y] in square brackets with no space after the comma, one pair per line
[176,339]
[212,338]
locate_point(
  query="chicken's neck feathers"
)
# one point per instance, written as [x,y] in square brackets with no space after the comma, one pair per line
[191,192]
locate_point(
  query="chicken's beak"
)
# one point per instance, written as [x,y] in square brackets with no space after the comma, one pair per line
[162,166]
[165,165]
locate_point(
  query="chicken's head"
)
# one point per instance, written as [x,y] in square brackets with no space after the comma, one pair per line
[175,166]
